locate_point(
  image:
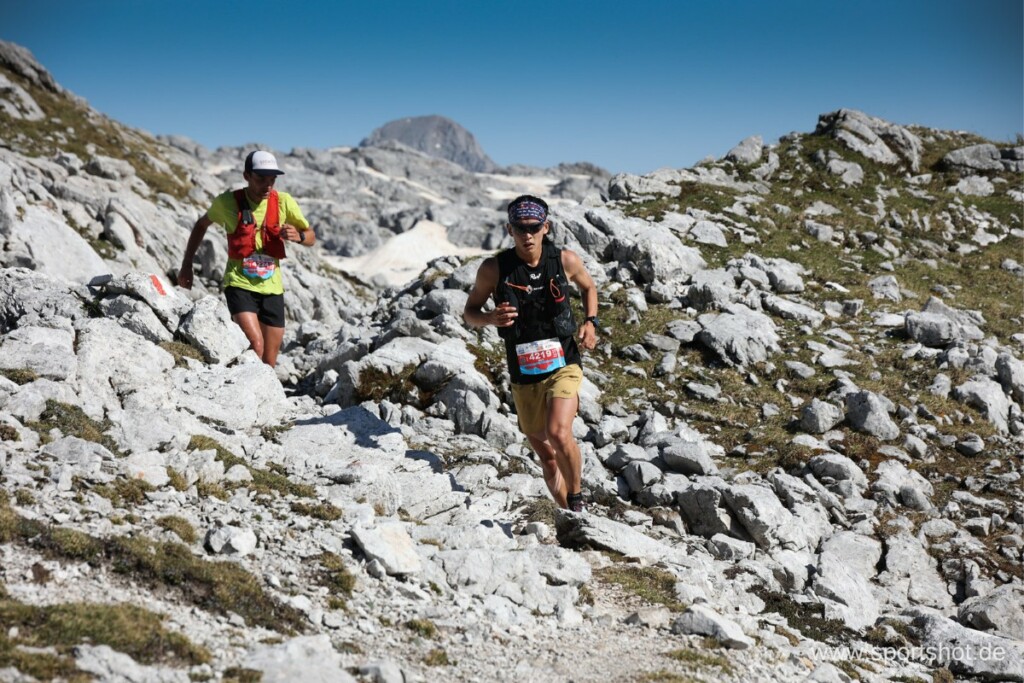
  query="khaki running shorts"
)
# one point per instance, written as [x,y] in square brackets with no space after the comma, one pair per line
[532,399]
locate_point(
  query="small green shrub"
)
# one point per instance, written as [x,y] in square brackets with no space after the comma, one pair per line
[125,628]
[180,351]
[340,582]
[70,420]
[180,526]
[125,491]
[19,375]
[422,627]
[651,584]
[437,657]
[324,511]
[264,481]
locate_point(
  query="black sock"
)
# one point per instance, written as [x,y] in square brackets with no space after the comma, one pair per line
[574,499]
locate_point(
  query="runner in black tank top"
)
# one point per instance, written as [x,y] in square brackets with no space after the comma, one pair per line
[529,284]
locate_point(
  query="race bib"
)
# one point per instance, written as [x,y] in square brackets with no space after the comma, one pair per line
[259,266]
[540,357]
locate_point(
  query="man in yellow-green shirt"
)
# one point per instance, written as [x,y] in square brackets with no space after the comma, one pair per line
[258,221]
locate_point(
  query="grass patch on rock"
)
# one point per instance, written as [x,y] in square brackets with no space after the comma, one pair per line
[180,351]
[378,385]
[180,526]
[238,674]
[19,375]
[324,511]
[132,630]
[437,657]
[663,676]
[219,587]
[698,659]
[808,618]
[424,628]
[336,577]
[71,420]
[124,491]
[263,480]
[540,510]
[650,584]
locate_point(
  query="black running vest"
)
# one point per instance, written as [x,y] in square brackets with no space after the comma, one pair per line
[541,297]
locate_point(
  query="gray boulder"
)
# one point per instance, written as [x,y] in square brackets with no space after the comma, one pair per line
[712,290]
[839,468]
[849,172]
[640,474]
[965,651]
[575,530]
[208,327]
[818,416]
[974,186]
[702,620]
[1010,371]
[983,157]
[231,540]
[988,397]
[389,543]
[911,575]
[762,515]
[998,611]
[688,457]
[739,335]
[46,351]
[938,330]
[702,508]
[846,566]
[869,412]
[107,664]
[885,287]
[656,252]
[875,138]
[311,659]
[747,152]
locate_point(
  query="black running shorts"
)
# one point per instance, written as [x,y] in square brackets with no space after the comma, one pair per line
[269,308]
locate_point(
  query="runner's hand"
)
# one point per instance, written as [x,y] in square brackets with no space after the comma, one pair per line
[587,336]
[504,315]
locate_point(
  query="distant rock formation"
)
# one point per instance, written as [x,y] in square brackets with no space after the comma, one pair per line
[435,136]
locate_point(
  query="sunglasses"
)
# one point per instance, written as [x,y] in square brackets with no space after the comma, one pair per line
[533,229]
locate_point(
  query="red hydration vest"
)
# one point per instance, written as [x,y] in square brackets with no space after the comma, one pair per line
[242,242]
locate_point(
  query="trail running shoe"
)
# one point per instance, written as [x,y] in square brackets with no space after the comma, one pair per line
[575,501]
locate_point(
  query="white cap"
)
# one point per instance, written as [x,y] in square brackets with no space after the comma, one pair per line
[262,163]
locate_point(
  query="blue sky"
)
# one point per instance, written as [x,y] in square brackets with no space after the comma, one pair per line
[630,86]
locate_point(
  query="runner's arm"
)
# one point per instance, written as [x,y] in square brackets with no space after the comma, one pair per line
[295,227]
[577,272]
[304,236]
[486,282]
[185,275]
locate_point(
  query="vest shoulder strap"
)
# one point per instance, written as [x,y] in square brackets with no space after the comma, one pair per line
[553,260]
[506,263]
[273,215]
[245,213]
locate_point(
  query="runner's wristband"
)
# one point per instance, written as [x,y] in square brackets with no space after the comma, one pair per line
[591,319]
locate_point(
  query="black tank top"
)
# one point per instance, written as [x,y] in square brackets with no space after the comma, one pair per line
[541,297]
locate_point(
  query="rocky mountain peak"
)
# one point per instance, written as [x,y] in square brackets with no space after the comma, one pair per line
[435,136]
